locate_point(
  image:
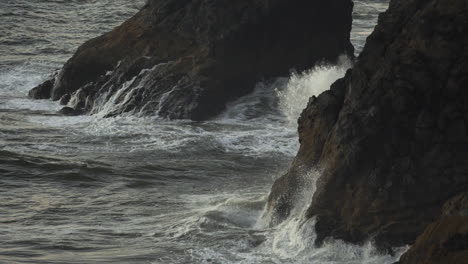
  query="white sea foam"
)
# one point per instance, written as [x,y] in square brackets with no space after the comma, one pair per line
[104,105]
[294,238]
[290,242]
[210,228]
[18,80]
[254,125]
[260,124]
[260,105]
[301,86]
[107,104]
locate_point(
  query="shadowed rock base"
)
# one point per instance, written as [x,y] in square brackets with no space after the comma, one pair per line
[445,240]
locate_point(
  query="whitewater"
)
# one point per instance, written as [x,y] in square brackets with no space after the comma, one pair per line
[135,189]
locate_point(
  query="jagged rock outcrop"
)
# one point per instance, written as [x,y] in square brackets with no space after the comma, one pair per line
[42,91]
[391,138]
[187,58]
[444,241]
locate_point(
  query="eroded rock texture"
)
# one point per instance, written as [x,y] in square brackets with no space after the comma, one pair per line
[391,138]
[187,58]
[445,240]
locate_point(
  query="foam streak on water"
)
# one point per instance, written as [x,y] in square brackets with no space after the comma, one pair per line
[129,189]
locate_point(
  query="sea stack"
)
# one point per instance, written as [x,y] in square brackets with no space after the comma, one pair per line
[186,59]
[390,139]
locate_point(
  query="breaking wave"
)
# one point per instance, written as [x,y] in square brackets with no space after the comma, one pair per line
[131,189]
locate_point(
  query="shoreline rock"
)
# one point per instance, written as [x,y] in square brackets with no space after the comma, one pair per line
[187,59]
[391,137]
[42,91]
[445,240]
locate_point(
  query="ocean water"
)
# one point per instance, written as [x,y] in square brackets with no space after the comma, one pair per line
[135,189]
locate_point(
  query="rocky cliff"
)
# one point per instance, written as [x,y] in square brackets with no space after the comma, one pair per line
[390,139]
[445,240]
[187,58]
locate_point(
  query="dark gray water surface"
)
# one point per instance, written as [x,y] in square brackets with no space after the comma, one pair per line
[141,189]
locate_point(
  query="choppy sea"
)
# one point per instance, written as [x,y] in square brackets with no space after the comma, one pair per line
[135,189]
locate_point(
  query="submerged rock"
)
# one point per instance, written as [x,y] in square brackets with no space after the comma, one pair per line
[390,138]
[68,111]
[186,59]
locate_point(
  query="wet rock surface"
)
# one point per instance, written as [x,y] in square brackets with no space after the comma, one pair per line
[42,91]
[390,139]
[186,59]
[445,240]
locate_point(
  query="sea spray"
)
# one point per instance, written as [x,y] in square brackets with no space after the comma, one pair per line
[129,189]
[301,86]
[293,240]
[17,80]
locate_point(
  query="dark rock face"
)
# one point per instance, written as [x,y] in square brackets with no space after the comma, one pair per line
[391,138]
[65,99]
[187,58]
[445,240]
[68,111]
[43,91]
